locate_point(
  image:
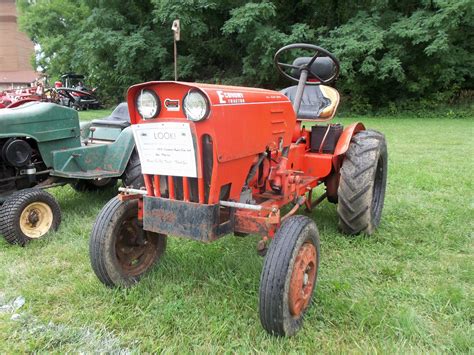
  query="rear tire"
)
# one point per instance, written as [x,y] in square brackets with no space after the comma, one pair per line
[28,214]
[289,276]
[132,176]
[121,252]
[362,184]
[94,184]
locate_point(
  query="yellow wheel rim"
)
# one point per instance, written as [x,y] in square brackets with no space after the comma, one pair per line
[36,220]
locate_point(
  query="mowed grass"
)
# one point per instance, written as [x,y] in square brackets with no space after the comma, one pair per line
[408,288]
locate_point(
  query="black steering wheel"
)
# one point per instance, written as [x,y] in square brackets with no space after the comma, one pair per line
[318,52]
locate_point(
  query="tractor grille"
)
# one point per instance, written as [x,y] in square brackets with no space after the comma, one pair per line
[184,188]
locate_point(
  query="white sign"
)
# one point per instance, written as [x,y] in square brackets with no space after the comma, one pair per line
[166,148]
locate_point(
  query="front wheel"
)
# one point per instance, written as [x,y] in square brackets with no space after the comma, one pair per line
[120,250]
[289,276]
[28,214]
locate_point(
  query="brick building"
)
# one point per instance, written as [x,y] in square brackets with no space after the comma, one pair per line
[16,50]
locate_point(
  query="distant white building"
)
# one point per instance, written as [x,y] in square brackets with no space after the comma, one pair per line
[16,50]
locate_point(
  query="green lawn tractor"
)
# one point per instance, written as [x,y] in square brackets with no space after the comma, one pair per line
[43,145]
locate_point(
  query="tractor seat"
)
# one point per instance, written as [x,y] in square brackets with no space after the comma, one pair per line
[118,118]
[318,101]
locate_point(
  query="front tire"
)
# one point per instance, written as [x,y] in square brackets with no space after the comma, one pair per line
[362,184]
[289,276]
[28,214]
[121,252]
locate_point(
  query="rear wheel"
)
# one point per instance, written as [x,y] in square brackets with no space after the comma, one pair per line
[29,214]
[94,184]
[289,276]
[361,191]
[132,176]
[120,250]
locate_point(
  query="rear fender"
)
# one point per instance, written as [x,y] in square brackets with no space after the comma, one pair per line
[341,148]
[95,161]
[346,136]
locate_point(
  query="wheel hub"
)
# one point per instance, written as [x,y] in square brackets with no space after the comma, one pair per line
[33,217]
[302,279]
[36,220]
[135,250]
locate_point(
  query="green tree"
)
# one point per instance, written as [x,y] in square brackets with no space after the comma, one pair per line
[389,50]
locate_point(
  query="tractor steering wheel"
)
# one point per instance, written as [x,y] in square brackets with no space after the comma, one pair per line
[318,52]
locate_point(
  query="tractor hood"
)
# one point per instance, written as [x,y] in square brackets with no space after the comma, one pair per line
[39,120]
[242,121]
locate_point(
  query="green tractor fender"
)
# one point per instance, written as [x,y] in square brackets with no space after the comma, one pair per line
[95,160]
[52,127]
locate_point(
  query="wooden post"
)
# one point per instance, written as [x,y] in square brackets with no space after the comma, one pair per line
[176,36]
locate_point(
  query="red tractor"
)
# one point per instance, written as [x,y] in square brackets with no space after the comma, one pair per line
[220,159]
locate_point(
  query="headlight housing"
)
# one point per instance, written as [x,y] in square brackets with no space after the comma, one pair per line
[195,106]
[148,104]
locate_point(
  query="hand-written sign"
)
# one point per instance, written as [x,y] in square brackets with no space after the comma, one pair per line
[166,148]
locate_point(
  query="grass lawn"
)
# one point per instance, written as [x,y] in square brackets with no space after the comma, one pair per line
[408,288]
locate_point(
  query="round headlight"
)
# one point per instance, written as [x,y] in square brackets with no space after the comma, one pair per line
[148,104]
[196,106]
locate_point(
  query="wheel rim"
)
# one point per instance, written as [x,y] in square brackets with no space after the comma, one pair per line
[377,191]
[36,220]
[302,279]
[136,250]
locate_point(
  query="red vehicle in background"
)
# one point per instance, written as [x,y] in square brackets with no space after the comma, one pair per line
[16,97]
[69,92]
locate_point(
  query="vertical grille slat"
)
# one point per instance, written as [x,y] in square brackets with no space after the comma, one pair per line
[148,185]
[207,165]
[171,194]
[185,189]
[156,185]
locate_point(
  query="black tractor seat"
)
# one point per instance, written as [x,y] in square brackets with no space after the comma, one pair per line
[318,101]
[119,118]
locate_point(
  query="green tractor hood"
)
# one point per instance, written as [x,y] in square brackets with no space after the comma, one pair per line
[53,127]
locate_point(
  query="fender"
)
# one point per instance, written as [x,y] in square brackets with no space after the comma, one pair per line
[332,180]
[95,161]
[346,136]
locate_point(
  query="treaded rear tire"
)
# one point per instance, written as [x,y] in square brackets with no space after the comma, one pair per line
[132,176]
[12,208]
[362,185]
[116,219]
[93,185]
[275,313]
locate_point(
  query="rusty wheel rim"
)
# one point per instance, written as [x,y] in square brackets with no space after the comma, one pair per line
[302,279]
[136,250]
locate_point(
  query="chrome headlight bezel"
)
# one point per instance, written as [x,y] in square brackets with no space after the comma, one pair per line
[139,103]
[204,113]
